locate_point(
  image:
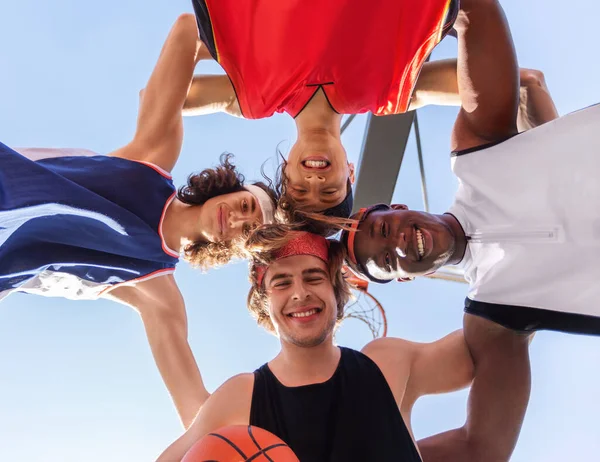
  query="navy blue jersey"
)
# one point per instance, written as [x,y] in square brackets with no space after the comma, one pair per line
[76,226]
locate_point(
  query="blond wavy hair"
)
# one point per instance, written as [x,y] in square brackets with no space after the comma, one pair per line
[261,248]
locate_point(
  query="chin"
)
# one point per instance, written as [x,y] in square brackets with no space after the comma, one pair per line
[306,341]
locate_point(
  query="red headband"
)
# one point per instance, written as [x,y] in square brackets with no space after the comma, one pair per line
[304,244]
[352,234]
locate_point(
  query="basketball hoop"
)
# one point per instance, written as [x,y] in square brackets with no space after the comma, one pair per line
[365,307]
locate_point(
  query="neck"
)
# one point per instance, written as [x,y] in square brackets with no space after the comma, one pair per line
[459,236]
[180,225]
[296,366]
[318,117]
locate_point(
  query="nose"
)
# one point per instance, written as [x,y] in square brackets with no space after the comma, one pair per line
[300,292]
[401,245]
[314,178]
[236,220]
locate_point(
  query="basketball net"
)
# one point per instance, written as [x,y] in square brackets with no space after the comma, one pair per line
[364,306]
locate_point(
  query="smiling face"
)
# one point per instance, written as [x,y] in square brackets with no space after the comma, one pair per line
[301,299]
[397,243]
[228,216]
[317,172]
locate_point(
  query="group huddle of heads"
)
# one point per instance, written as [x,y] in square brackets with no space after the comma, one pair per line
[267,222]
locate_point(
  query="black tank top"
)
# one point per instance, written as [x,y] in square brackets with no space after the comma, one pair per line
[351,417]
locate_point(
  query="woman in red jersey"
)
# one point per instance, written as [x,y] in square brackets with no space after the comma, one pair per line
[316,61]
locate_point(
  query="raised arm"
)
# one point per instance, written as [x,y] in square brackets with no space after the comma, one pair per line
[161,307]
[209,94]
[159,131]
[438,85]
[497,400]
[229,405]
[488,78]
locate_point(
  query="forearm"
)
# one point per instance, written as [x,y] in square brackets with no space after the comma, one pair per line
[536,106]
[176,364]
[450,446]
[497,400]
[166,90]
[209,94]
[437,85]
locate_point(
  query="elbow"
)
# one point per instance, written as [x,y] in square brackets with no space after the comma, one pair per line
[186,22]
[532,78]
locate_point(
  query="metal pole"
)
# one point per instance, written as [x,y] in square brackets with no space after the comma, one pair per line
[421,166]
[347,122]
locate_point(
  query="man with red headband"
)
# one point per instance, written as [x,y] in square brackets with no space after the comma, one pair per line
[524,225]
[331,403]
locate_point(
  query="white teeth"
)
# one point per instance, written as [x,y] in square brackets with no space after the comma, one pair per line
[304,314]
[315,163]
[420,243]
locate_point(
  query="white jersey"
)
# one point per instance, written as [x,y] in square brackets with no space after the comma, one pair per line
[530,208]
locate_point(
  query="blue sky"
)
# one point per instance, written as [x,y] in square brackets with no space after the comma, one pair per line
[77,380]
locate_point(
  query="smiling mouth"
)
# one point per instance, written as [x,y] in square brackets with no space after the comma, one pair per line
[316,163]
[420,239]
[221,219]
[305,314]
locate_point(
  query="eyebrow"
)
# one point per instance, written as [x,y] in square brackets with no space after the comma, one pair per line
[309,271]
[306,272]
[278,276]
[253,205]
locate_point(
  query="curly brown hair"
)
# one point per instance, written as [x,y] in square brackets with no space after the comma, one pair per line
[209,183]
[262,246]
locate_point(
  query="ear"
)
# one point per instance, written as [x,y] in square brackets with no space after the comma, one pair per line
[351,175]
[399,207]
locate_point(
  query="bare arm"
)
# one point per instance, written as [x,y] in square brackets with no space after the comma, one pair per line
[229,405]
[416,369]
[438,85]
[162,310]
[536,106]
[439,367]
[488,79]
[159,132]
[497,400]
[209,94]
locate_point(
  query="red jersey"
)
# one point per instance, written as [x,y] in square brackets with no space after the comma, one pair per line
[365,55]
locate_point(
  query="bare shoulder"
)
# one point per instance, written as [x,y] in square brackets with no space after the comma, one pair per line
[241,383]
[230,403]
[394,357]
[389,350]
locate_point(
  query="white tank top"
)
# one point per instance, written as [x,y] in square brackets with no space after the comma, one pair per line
[531,208]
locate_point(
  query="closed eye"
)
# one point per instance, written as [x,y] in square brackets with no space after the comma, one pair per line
[315,280]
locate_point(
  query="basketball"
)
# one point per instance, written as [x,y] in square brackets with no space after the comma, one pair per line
[240,443]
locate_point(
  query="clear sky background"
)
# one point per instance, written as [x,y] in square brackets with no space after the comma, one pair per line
[77,380]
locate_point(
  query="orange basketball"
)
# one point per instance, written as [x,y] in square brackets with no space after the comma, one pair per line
[240,443]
